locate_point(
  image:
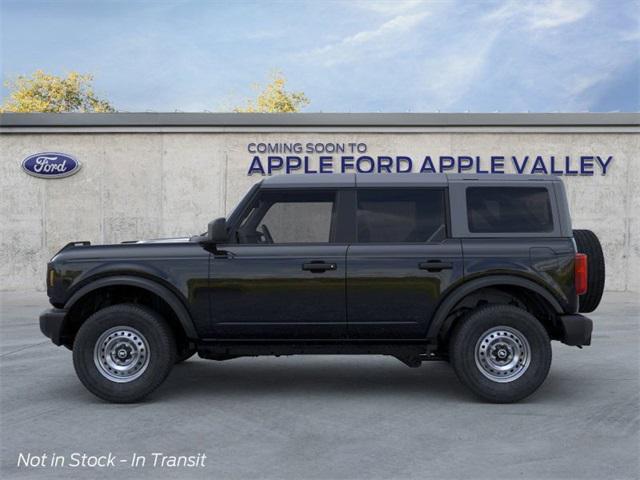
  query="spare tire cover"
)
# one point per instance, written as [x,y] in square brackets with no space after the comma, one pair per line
[587,242]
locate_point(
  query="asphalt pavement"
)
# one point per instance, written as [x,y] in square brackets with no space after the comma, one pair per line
[315,417]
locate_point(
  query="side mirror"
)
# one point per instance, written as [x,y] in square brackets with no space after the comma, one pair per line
[217,231]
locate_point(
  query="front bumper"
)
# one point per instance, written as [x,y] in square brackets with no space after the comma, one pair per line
[576,329]
[51,323]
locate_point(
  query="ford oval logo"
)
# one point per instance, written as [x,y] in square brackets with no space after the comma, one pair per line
[50,165]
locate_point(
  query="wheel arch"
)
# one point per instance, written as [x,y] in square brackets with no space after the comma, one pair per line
[181,318]
[455,297]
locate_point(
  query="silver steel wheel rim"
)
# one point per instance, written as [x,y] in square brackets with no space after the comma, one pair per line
[121,354]
[502,354]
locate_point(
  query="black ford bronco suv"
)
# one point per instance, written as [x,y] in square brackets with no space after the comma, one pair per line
[479,270]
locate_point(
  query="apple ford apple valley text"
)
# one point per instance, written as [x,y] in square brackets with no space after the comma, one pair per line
[310,158]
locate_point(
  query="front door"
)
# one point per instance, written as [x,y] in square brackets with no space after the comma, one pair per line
[284,278]
[401,262]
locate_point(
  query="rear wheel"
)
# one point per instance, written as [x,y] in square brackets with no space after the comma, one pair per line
[587,242]
[123,352]
[501,352]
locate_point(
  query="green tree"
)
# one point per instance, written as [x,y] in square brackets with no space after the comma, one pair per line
[275,99]
[41,92]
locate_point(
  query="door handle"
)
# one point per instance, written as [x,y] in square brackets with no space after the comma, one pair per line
[435,266]
[318,267]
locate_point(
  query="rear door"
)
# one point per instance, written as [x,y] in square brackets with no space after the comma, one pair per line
[401,263]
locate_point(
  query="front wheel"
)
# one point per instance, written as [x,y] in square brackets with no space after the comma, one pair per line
[123,352]
[501,352]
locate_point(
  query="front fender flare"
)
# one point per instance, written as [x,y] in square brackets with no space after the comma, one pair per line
[467,288]
[163,292]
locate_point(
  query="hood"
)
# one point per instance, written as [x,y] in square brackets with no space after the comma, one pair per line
[85,246]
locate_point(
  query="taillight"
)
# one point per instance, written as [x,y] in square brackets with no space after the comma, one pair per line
[581,273]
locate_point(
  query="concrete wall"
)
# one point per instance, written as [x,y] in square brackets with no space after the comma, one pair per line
[145,185]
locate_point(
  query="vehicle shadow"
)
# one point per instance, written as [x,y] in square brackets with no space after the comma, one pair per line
[311,376]
[348,376]
[330,377]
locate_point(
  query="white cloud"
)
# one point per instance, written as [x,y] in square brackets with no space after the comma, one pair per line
[451,73]
[582,82]
[389,7]
[554,13]
[575,71]
[506,12]
[399,24]
[630,36]
[384,40]
[541,15]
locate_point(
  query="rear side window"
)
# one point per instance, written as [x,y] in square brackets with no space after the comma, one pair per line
[509,210]
[401,215]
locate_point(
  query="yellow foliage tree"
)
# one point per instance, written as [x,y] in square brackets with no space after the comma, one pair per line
[275,99]
[42,92]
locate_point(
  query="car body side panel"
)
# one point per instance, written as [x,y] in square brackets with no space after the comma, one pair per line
[265,291]
[546,261]
[389,295]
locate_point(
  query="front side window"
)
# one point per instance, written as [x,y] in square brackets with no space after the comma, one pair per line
[289,217]
[401,216]
[509,210]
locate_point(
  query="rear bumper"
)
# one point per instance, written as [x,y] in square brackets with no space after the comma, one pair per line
[51,322]
[576,329]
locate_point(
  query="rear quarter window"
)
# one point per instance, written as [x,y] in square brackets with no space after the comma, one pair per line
[509,210]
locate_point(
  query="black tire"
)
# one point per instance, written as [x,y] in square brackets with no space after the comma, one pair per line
[587,242]
[160,354]
[504,320]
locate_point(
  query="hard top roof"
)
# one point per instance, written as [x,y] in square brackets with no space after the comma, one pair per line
[337,180]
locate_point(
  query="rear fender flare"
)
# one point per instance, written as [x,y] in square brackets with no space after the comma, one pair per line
[452,299]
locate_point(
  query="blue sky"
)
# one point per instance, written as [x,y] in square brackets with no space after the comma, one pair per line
[347,56]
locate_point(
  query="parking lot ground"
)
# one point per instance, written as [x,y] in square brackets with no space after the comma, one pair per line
[315,417]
